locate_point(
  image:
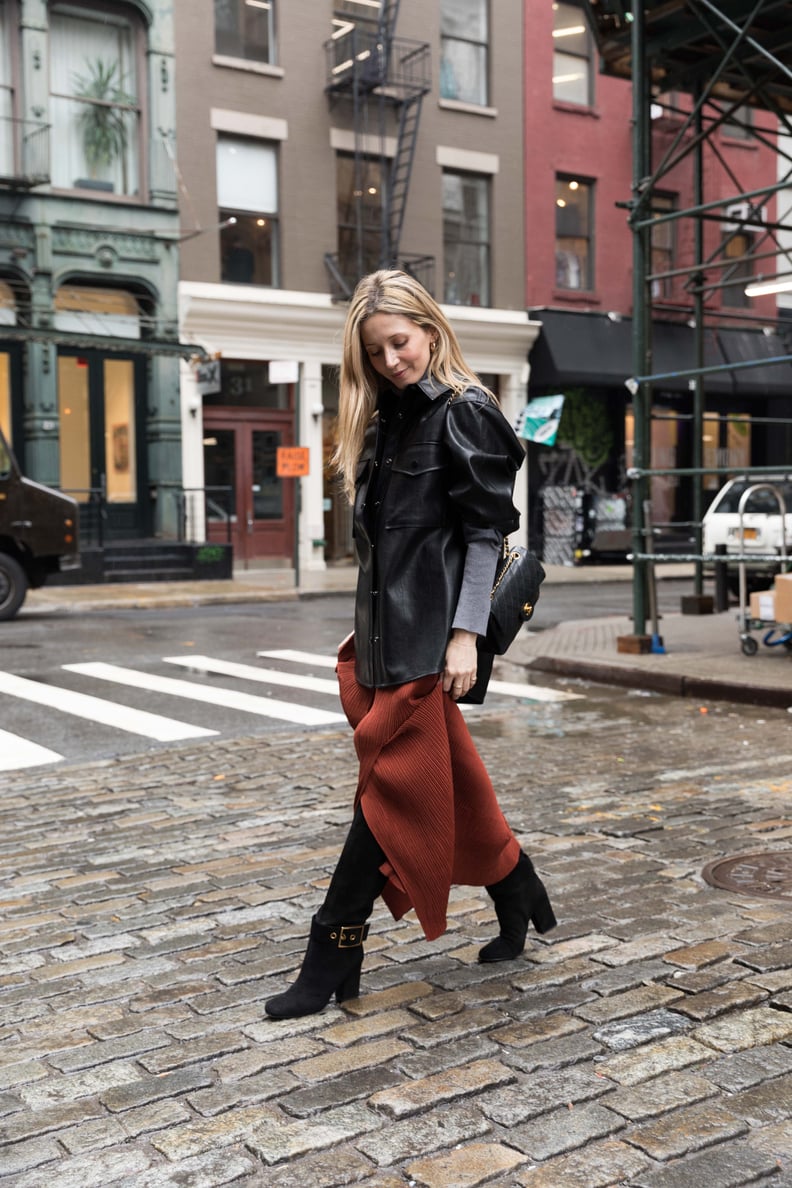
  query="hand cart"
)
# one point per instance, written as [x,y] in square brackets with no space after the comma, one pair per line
[776,634]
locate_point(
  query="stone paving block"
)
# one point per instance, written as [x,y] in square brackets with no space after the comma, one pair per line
[768,957]
[345,1060]
[696,956]
[314,1171]
[550,1000]
[253,1060]
[30,1123]
[630,1002]
[341,1035]
[303,1103]
[157,1116]
[624,1034]
[661,1094]
[92,1136]
[204,1171]
[719,1000]
[573,970]
[384,1000]
[451,1002]
[730,1165]
[22,1157]
[541,1093]
[521,1035]
[764,1104]
[21,1072]
[653,1059]
[143,1091]
[276,1140]
[423,1134]
[462,1051]
[597,1165]
[234,1019]
[454,1083]
[104,1051]
[97,1170]
[774,1140]
[453,1027]
[56,1090]
[565,1129]
[656,945]
[219,1098]
[747,1029]
[558,1053]
[617,979]
[581,946]
[205,1134]
[687,1130]
[179,1055]
[474,1164]
[750,1067]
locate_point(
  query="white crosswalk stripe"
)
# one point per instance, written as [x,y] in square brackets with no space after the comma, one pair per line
[249,672]
[266,707]
[16,752]
[96,709]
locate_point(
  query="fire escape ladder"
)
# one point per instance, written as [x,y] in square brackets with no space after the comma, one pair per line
[401,171]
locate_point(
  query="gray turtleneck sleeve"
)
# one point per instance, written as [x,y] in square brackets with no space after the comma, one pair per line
[481,560]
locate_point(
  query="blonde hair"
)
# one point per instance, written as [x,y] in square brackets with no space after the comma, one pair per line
[388,291]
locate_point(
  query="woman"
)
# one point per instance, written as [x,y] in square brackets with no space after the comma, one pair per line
[428,461]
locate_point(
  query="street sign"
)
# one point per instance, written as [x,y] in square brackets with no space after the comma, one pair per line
[292,461]
[207,377]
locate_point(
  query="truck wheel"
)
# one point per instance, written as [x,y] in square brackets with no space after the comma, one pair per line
[13,586]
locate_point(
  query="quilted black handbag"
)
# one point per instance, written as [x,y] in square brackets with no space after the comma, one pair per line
[515,593]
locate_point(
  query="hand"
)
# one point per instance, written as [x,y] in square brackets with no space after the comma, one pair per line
[461,662]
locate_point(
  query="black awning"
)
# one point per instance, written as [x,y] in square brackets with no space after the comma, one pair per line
[594,350]
[102,342]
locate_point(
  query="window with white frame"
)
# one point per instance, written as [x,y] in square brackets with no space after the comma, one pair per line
[245,29]
[574,231]
[466,238]
[247,197]
[464,46]
[572,55]
[95,99]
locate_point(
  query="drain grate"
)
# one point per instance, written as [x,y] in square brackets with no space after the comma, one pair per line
[765,874]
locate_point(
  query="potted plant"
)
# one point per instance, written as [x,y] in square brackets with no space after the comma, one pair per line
[102,121]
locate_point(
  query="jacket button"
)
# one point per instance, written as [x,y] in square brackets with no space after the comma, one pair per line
[388,461]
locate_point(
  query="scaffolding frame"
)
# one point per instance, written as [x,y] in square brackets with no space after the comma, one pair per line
[726,57]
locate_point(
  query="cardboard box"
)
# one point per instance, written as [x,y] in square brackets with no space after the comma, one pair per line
[763,605]
[783,597]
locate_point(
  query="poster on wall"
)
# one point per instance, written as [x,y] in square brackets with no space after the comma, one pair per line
[540,418]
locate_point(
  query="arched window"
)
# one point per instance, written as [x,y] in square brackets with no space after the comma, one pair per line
[95,105]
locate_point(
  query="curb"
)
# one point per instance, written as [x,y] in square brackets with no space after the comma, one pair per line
[672,684]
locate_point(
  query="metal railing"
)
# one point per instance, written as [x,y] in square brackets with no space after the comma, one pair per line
[364,60]
[183,514]
[24,152]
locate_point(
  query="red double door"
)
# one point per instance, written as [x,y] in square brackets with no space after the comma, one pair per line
[244,494]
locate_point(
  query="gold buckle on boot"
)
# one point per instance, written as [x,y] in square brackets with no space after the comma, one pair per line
[351,936]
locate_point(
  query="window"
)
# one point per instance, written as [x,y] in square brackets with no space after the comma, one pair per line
[245,29]
[247,193]
[572,73]
[95,105]
[359,200]
[464,37]
[662,245]
[574,263]
[737,248]
[739,125]
[466,242]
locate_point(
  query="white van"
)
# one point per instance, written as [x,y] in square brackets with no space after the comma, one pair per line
[761,524]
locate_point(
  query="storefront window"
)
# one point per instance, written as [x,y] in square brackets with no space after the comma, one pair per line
[119,419]
[244,383]
[75,427]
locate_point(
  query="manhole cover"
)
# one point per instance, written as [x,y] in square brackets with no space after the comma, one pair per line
[753,874]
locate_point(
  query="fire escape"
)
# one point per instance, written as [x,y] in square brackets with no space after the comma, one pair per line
[384,79]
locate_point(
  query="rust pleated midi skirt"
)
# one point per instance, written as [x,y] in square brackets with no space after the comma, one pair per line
[425,794]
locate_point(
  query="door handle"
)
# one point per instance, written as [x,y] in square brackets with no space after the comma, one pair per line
[249,522]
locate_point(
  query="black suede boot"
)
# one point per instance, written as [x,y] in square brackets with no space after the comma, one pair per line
[331,966]
[520,898]
[334,955]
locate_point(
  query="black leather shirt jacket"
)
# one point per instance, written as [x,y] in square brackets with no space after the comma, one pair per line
[433,469]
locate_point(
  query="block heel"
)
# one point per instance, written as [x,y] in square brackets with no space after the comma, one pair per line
[521,898]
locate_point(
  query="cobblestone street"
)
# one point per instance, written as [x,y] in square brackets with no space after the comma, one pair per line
[151,904]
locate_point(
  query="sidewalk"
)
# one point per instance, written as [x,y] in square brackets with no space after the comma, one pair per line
[702,656]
